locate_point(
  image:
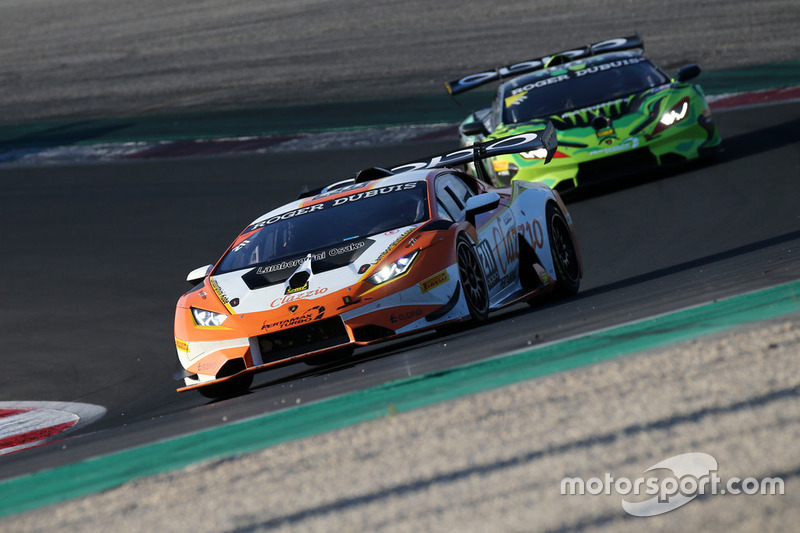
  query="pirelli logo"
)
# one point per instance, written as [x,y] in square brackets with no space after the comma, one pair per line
[434,281]
[182,345]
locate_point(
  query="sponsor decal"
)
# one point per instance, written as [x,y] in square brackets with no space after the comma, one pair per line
[329,258]
[506,243]
[395,243]
[352,247]
[210,365]
[516,99]
[503,240]
[576,73]
[535,233]
[287,215]
[220,293]
[375,192]
[315,313]
[182,345]
[405,315]
[608,66]
[516,143]
[538,84]
[292,263]
[294,297]
[333,203]
[434,281]
[484,250]
[474,80]
[340,190]
[628,144]
[319,256]
[302,288]
[241,245]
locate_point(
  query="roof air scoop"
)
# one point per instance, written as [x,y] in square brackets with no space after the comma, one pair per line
[299,280]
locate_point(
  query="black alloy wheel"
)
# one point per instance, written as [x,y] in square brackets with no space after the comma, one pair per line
[473,280]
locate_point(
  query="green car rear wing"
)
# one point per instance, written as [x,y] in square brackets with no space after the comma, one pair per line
[634,42]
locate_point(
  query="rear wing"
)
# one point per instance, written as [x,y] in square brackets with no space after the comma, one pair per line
[524,142]
[545,140]
[634,42]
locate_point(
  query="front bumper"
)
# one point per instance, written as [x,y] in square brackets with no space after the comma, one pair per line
[272,345]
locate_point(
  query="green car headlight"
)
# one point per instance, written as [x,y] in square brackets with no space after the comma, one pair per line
[540,153]
[393,270]
[678,112]
[207,318]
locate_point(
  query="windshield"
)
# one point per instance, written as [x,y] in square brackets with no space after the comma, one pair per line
[326,229]
[560,89]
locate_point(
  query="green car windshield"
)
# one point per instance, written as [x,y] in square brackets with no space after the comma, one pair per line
[561,89]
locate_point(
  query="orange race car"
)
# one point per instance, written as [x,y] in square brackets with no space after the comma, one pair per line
[388,253]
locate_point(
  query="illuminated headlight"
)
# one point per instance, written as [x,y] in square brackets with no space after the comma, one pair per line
[504,169]
[679,112]
[207,318]
[393,270]
[539,153]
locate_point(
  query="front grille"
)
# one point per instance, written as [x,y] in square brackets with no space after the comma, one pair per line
[371,333]
[317,335]
[673,159]
[616,165]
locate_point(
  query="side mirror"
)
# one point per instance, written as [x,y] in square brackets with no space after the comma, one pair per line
[198,274]
[481,203]
[689,72]
[471,129]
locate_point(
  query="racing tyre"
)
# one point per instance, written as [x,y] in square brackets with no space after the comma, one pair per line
[473,280]
[565,256]
[228,389]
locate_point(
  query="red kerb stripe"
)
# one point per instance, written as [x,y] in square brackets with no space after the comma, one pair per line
[12,412]
[33,436]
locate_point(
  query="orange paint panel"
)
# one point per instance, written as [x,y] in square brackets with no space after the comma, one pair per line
[210,364]
[393,318]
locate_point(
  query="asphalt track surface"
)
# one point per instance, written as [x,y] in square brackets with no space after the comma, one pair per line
[94,256]
[93,58]
[102,249]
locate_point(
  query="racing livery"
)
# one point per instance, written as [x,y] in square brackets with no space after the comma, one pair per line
[615,112]
[386,253]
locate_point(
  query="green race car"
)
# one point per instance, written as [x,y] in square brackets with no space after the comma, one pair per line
[614,112]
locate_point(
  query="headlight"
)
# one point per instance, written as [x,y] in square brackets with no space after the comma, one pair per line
[539,153]
[504,169]
[207,318]
[679,112]
[393,270]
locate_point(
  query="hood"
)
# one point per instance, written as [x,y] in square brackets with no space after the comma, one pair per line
[273,284]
